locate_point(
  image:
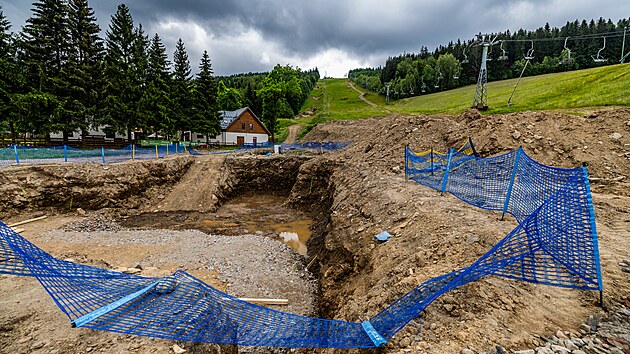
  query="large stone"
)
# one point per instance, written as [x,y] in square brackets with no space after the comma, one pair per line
[560,349]
[467,351]
[178,350]
[615,136]
[526,351]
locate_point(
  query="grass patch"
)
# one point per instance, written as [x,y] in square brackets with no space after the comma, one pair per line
[603,86]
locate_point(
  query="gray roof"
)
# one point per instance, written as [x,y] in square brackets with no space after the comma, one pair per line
[227,117]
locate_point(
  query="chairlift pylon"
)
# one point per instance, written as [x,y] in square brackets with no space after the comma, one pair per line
[489,57]
[530,53]
[567,60]
[423,88]
[599,59]
[503,55]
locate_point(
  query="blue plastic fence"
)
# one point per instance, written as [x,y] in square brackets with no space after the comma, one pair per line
[554,243]
[28,155]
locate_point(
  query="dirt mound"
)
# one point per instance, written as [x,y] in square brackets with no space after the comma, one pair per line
[436,234]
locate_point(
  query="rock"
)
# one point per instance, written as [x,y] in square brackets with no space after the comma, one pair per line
[81,212]
[570,345]
[526,351]
[137,266]
[561,335]
[471,238]
[578,352]
[585,327]
[396,169]
[449,307]
[578,341]
[538,137]
[615,137]
[178,350]
[560,349]
[38,345]
[467,351]
[516,135]
[543,350]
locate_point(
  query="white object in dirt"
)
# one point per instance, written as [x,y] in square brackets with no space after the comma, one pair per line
[178,350]
[276,149]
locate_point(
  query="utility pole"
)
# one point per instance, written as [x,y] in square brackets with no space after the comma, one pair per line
[387,97]
[481,93]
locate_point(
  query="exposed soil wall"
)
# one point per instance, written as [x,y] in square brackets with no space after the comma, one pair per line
[70,186]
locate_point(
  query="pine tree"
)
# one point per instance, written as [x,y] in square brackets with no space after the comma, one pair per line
[123,72]
[155,99]
[206,114]
[182,87]
[85,64]
[45,45]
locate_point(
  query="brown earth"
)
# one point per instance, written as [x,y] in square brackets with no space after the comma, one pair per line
[360,191]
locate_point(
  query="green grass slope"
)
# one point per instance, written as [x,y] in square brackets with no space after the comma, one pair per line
[334,99]
[603,86]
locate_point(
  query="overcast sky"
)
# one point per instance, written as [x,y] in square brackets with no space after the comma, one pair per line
[333,35]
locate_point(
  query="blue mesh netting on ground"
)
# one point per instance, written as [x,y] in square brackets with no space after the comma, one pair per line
[554,243]
[28,155]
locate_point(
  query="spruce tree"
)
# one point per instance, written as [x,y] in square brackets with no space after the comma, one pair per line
[205,114]
[182,87]
[155,99]
[85,63]
[121,72]
[45,45]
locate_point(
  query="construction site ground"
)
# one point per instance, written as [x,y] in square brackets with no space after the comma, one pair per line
[221,219]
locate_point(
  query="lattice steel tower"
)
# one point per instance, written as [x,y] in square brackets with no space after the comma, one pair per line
[481,94]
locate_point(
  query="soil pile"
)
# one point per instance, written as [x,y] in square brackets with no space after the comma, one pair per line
[436,234]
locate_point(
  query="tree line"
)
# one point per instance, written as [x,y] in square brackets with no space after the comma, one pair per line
[59,75]
[457,63]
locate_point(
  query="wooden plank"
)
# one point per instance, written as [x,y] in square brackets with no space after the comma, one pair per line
[18,230]
[27,221]
[265,301]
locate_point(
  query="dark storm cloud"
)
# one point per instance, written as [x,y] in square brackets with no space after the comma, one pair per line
[249,35]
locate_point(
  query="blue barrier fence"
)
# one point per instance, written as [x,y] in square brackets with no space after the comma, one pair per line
[28,155]
[555,243]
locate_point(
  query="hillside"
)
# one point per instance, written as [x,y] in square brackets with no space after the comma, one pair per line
[335,99]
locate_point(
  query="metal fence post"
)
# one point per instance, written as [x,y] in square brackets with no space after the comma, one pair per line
[17,158]
[509,192]
[167,150]
[448,167]
[157,156]
[65,153]
[103,155]
[431,161]
[133,151]
[406,162]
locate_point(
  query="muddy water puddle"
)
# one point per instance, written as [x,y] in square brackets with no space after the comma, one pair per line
[260,214]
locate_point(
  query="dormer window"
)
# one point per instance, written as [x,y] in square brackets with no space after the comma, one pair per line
[243,126]
[251,126]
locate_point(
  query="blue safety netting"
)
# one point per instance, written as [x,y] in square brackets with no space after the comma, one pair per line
[554,243]
[249,146]
[29,155]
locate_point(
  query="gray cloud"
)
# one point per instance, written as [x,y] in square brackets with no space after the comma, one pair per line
[248,35]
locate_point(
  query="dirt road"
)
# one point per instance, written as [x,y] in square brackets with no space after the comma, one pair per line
[294,131]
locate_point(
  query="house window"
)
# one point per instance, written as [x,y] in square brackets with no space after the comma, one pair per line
[251,126]
[199,136]
[109,134]
[243,126]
